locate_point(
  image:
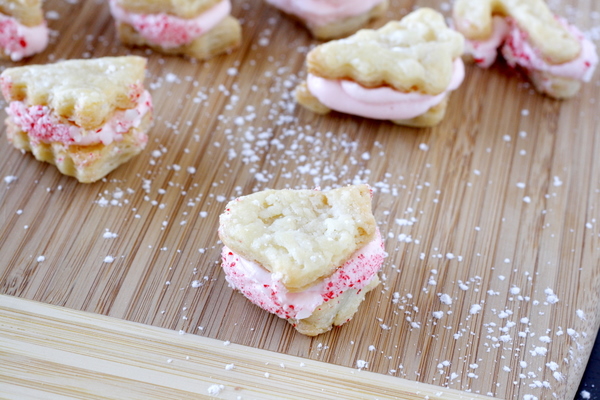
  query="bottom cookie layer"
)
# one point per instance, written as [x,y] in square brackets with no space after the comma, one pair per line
[86,163]
[226,36]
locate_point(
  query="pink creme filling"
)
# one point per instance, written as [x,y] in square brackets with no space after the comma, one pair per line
[323,12]
[517,50]
[42,125]
[266,291]
[168,30]
[19,41]
[379,103]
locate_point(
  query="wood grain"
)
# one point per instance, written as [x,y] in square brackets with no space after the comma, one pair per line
[55,352]
[497,207]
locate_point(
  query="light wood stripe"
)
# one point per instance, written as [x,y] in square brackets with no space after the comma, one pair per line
[54,352]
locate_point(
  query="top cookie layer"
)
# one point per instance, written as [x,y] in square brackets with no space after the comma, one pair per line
[414,54]
[473,18]
[301,235]
[27,12]
[180,8]
[85,92]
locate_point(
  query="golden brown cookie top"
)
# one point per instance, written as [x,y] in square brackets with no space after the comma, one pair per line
[413,54]
[473,18]
[27,12]
[86,92]
[180,8]
[301,235]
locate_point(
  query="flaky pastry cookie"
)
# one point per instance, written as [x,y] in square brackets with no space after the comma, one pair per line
[555,55]
[308,256]
[199,29]
[85,116]
[23,30]
[332,19]
[402,72]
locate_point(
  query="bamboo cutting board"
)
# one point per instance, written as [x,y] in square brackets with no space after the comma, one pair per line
[490,287]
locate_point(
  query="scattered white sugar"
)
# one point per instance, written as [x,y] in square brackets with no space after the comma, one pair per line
[556,181]
[589,225]
[545,339]
[365,156]
[581,314]
[585,394]
[181,332]
[372,348]
[172,78]
[197,284]
[41,258]
[523,364]
[552,365]
[214,390]
[475,308]
[229,367]
[527,199]
[501,277]
[232,71]
[506,368]
[506,138]
[524,112]
[437,314]
[523,134]
[423,146]
[450,256]
[267,374]
[221,199]
[191,170]
[539,351]
[446,299]
[226,343]
[506,260]
[360,364]
[551,298]
[109,259]
[443,364]
[8,179]
[52,15]
[515,290]
[109,235]
[521,185]
[203,214]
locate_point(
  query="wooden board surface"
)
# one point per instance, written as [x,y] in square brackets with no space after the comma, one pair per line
[53,352]
[495,209]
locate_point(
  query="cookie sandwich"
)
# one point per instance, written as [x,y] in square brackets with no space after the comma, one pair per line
[85,116]
[23,30]
[332,19]
[554,54]
[403,72]
[198,29]
[308,256]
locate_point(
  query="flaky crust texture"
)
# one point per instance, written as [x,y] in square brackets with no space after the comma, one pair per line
[226,36]
[414,54]
[299,235]
[335,312]
[27,12]
[473,18]
[180,8]
[85,92]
